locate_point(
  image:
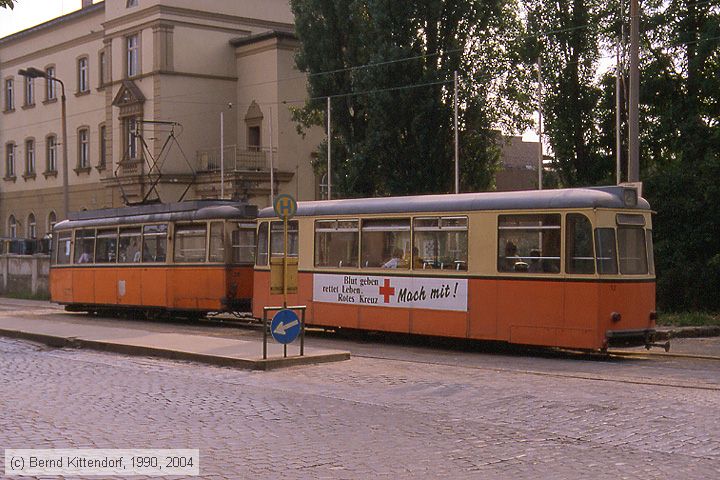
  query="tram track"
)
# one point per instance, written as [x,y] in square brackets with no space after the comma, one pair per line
[539,373]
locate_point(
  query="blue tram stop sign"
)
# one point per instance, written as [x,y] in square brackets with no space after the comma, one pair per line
[285,326]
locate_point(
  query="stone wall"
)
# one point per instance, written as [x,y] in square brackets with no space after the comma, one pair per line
[25,276]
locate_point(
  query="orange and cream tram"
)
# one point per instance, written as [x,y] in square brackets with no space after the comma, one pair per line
[567,268]
[185,258]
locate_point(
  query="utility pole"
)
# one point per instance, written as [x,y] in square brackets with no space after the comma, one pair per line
[329,153]
[222,155]
[618,105]
[457,138]
[633,120]
[272,162]
[540,147]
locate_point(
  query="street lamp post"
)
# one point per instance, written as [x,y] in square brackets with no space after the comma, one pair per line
[32,72]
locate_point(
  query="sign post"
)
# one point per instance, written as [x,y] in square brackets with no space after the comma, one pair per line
[285,325]
[285,207]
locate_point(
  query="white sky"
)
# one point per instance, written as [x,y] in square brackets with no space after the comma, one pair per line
[28,13]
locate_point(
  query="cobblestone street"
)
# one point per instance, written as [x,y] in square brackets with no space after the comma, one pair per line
[430,415]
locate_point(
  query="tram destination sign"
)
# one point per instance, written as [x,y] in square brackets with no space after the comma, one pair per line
[385,291]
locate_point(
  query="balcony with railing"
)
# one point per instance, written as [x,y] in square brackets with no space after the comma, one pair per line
[235,159]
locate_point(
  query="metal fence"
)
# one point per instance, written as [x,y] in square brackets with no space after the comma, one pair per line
[235,159]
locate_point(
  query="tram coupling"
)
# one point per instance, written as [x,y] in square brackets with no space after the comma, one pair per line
[665,345]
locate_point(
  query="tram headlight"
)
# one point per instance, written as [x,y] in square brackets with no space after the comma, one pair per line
[630,197]
[615,317]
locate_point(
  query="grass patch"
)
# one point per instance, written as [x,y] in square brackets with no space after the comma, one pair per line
[688,319]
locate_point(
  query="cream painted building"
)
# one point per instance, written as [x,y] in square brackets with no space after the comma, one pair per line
[147,83]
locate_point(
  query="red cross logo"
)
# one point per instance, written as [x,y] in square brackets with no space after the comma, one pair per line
[387,291]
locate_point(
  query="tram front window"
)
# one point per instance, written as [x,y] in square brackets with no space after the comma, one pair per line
[605,251]
[63,248]
[84,246]
[631,244]
[262,244]
[243,243]
[277,239]
[579,256]
[217,247]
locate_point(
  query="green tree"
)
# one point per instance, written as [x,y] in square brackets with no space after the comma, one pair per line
[8,4]
[681,148]
[391,67]
[565,35]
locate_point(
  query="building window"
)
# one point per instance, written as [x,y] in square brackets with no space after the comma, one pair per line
[130,127]
[29,91]
[30,157]
[254,139]
[12,227]
[52,220]
[32,226]
[51,153]
[83,148]
[10,160]
[9,94]
[103,147]
[102,67]
[50,87]
[83,78]
[132,3]
[132,44]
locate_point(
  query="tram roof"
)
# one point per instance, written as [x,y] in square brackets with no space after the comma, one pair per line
[160,212]
[591,197]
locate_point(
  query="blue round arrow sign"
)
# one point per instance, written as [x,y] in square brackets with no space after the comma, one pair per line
[285,326]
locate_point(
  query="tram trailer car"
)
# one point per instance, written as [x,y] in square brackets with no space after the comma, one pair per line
[563,268]
[187,259]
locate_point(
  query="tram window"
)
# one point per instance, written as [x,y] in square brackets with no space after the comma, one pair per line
[262,244]
[386,243]
[605,250]
[336,243]
[84,246]
[631,246]
[243,243]
[63,247]
[277,239]
[217,246]
[650,252]
[154,243]
[190,243]
[440,242]
[106,249]
[529,243]
[579,256]
[129,245]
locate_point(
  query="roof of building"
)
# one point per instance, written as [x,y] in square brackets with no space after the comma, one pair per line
[259,37]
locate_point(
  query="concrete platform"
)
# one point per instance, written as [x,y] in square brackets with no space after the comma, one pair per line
[177,346]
